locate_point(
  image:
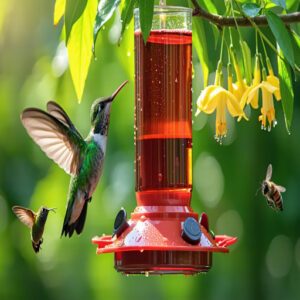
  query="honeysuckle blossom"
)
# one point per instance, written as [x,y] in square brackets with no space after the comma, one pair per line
[274,80]
[216,98]
[240,86]
[269,87]
[256,81]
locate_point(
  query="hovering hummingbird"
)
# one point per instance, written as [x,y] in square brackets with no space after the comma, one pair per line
[35,221]
[82,158]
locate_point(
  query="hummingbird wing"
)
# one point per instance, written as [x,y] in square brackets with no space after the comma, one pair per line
[59,113]
[25,215]
[58,140]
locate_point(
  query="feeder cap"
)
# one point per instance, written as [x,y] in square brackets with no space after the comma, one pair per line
[120,223]
[191,232]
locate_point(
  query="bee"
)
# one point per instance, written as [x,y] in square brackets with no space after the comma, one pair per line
[272,191]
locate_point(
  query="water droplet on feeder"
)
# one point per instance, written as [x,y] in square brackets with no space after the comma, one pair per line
[128,53]
[160,177]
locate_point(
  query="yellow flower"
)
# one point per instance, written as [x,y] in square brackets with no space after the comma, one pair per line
[256,81]
[240,86]
[216,98]
[268,88]
[273,79]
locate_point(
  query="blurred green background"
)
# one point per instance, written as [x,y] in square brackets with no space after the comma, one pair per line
[264,264]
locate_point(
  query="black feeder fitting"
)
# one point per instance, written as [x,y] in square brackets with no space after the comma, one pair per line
[191,231]
[120,223]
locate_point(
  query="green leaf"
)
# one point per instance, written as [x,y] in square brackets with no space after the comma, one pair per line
[59,10]
[251,9]
[209,6]
[205,39]
[292,5]
[200,44]
[286,90]
[126,15]
[295,38]
[74,10]
[80,47]
[280,3]
[282,36]
[146,15]
[296,46]
[247,61]
[274,8]
[105,11]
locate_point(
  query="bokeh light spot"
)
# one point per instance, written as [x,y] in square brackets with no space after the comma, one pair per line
[297,253]
[208,179]
[231,223]
[3,214]
[279,256]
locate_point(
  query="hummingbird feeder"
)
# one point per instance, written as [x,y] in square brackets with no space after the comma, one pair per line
[163,235]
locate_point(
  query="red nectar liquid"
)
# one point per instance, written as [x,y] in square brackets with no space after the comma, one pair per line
[163,128]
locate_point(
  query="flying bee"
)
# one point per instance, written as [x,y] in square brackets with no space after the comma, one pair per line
[272,191]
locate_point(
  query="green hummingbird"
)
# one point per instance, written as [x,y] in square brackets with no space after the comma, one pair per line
[82,158]
[35,221]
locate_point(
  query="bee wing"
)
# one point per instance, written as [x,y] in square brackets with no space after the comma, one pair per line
[280,188]
[55,137]
[25,215]
[269,172]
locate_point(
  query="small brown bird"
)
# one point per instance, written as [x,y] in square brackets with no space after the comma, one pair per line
[35,221]
[272,191]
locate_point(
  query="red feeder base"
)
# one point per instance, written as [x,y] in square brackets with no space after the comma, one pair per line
[152,243]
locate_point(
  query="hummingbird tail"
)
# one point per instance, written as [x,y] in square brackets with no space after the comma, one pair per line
[68,229]
[36,246]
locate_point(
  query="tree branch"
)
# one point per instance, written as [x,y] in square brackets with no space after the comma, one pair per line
[221,21]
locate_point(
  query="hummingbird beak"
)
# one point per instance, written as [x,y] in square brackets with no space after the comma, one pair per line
[112,97]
